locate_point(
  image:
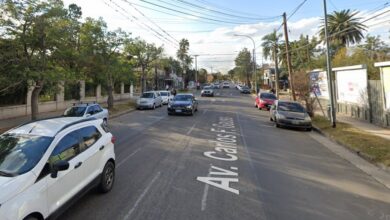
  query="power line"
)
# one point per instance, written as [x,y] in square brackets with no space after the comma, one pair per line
[222,7]
[296,9]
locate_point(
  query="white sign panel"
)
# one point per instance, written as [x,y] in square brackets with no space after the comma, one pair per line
[319,84]
[386,86]
[352,86]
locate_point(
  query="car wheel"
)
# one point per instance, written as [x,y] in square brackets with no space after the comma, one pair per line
[108,177]
[154,106]
[271,119]
[192,113]
[276,124]
[105,122]
[309,129]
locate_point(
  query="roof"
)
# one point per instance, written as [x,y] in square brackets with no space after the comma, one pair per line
[84,104]
[47,127]
[185,94]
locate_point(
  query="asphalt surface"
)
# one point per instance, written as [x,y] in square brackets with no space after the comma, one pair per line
[169,167]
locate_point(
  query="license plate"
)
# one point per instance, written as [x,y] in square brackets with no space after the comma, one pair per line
[178,110]
[295,122]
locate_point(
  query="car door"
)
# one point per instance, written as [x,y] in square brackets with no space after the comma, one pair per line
[68,182]
[98,112]
[195,103]
[91,148]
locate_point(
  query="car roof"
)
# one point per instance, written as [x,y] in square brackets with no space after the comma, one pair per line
[84,104]
[185,94]
[288,101]
[48,127]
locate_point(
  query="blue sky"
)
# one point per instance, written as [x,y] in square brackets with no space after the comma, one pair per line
[218,44]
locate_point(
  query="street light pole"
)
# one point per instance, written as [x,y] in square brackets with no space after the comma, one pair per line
[329,71]
[254,56]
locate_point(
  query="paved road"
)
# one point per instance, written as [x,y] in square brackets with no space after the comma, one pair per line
[228,162]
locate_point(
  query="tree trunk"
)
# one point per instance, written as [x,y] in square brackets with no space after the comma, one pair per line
[35,100]
[143,80]
[110,99]
[155,78]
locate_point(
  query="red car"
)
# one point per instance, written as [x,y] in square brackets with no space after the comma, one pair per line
[265,100]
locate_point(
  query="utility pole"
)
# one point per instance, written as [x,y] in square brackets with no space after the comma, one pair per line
[196,70]
[288,57]
[329,71]
[276,70]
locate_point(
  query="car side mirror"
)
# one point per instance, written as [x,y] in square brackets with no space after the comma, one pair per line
[59,166]
[88,115]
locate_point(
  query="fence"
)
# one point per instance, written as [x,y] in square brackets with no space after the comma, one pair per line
[373,111]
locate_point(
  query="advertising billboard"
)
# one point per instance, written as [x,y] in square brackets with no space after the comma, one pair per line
[352,86]
[319,84]
[386,86]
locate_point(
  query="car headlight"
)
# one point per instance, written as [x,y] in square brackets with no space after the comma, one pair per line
[280,116]
[307,117]
[138,101]
[189,106]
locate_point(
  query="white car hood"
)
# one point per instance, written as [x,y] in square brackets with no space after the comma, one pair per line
[12,186]
[300,115]
[146,100]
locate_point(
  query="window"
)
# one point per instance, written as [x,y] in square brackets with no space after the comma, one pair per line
[91,110]
[89,136]
[75,111]
[98,108]
[67,148]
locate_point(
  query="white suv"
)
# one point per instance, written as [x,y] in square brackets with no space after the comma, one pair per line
[86,110]
[43,164]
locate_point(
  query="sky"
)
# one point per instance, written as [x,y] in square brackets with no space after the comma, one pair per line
[211,25]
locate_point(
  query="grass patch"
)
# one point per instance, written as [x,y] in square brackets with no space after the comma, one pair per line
[372,147]
[122,107]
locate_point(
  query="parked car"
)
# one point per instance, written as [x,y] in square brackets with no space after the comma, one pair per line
[226,85]
[150,100]
[183,104]
[166,96]
[216,86]
[207,91]
[245,90]
[85,110]
[45,164]
[265,100]
[290,114]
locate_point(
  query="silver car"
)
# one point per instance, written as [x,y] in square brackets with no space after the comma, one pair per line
[86,110]
[290,114]
[166,96]
[149,100]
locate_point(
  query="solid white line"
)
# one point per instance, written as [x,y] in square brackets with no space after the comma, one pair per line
[142,196]
[205,192]
[126,158]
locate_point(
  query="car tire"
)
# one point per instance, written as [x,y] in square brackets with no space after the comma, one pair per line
[107,178]
[192,113]
[31,217]
[309,129]
[154,106]
[276,124]
[271,119]
[105,122]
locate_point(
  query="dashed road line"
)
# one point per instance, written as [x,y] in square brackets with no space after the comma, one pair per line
[205,192]
[126,158]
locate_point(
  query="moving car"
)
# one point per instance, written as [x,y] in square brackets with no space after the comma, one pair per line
[207,91]
[46,163]
[85,110]
[265,100]
[183,104]
[166,96]
[226,85]
[150,100]
[216,86]
[290,114]
[245,90]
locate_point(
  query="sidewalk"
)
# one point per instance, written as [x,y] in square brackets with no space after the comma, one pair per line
[6,124]
[371,128]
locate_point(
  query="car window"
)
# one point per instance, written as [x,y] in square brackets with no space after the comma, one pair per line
[67,148]
[164,93]
[98,108]
[183,98]
[147,95]
[290,106]
[21,153]
[75,111]
[267,96]
[91,110]
[89,136]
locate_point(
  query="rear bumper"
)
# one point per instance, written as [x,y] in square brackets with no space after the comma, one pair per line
[207,94]
[141,106]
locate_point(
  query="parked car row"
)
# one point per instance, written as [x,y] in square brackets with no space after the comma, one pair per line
[154,99]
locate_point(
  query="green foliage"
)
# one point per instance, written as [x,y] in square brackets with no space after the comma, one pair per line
[244,65]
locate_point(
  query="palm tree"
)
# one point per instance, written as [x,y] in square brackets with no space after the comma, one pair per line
[344,28]
[270,50]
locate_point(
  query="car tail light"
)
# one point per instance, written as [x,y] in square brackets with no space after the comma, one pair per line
[113,139]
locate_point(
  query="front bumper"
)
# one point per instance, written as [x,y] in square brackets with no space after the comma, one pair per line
[179,110]
[144,105]
[294,123]
[207,94]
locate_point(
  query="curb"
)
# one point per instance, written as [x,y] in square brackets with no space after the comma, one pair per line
[377,171]
[121,113]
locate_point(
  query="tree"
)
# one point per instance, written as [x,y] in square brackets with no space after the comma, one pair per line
[270,50]
[344,28]
[244,63]
[144,53]
[375,48]
[184,58]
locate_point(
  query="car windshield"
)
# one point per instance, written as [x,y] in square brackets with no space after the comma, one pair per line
[183,98]
[290,107]
[147,95]
[207,87]
[164,93]
[75,111]
[20,153]
[245,87]
[267,96]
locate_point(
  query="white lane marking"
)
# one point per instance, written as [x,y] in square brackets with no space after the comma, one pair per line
[204,112]
[205,192]
[142,196]
[192,128]
[126,158]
